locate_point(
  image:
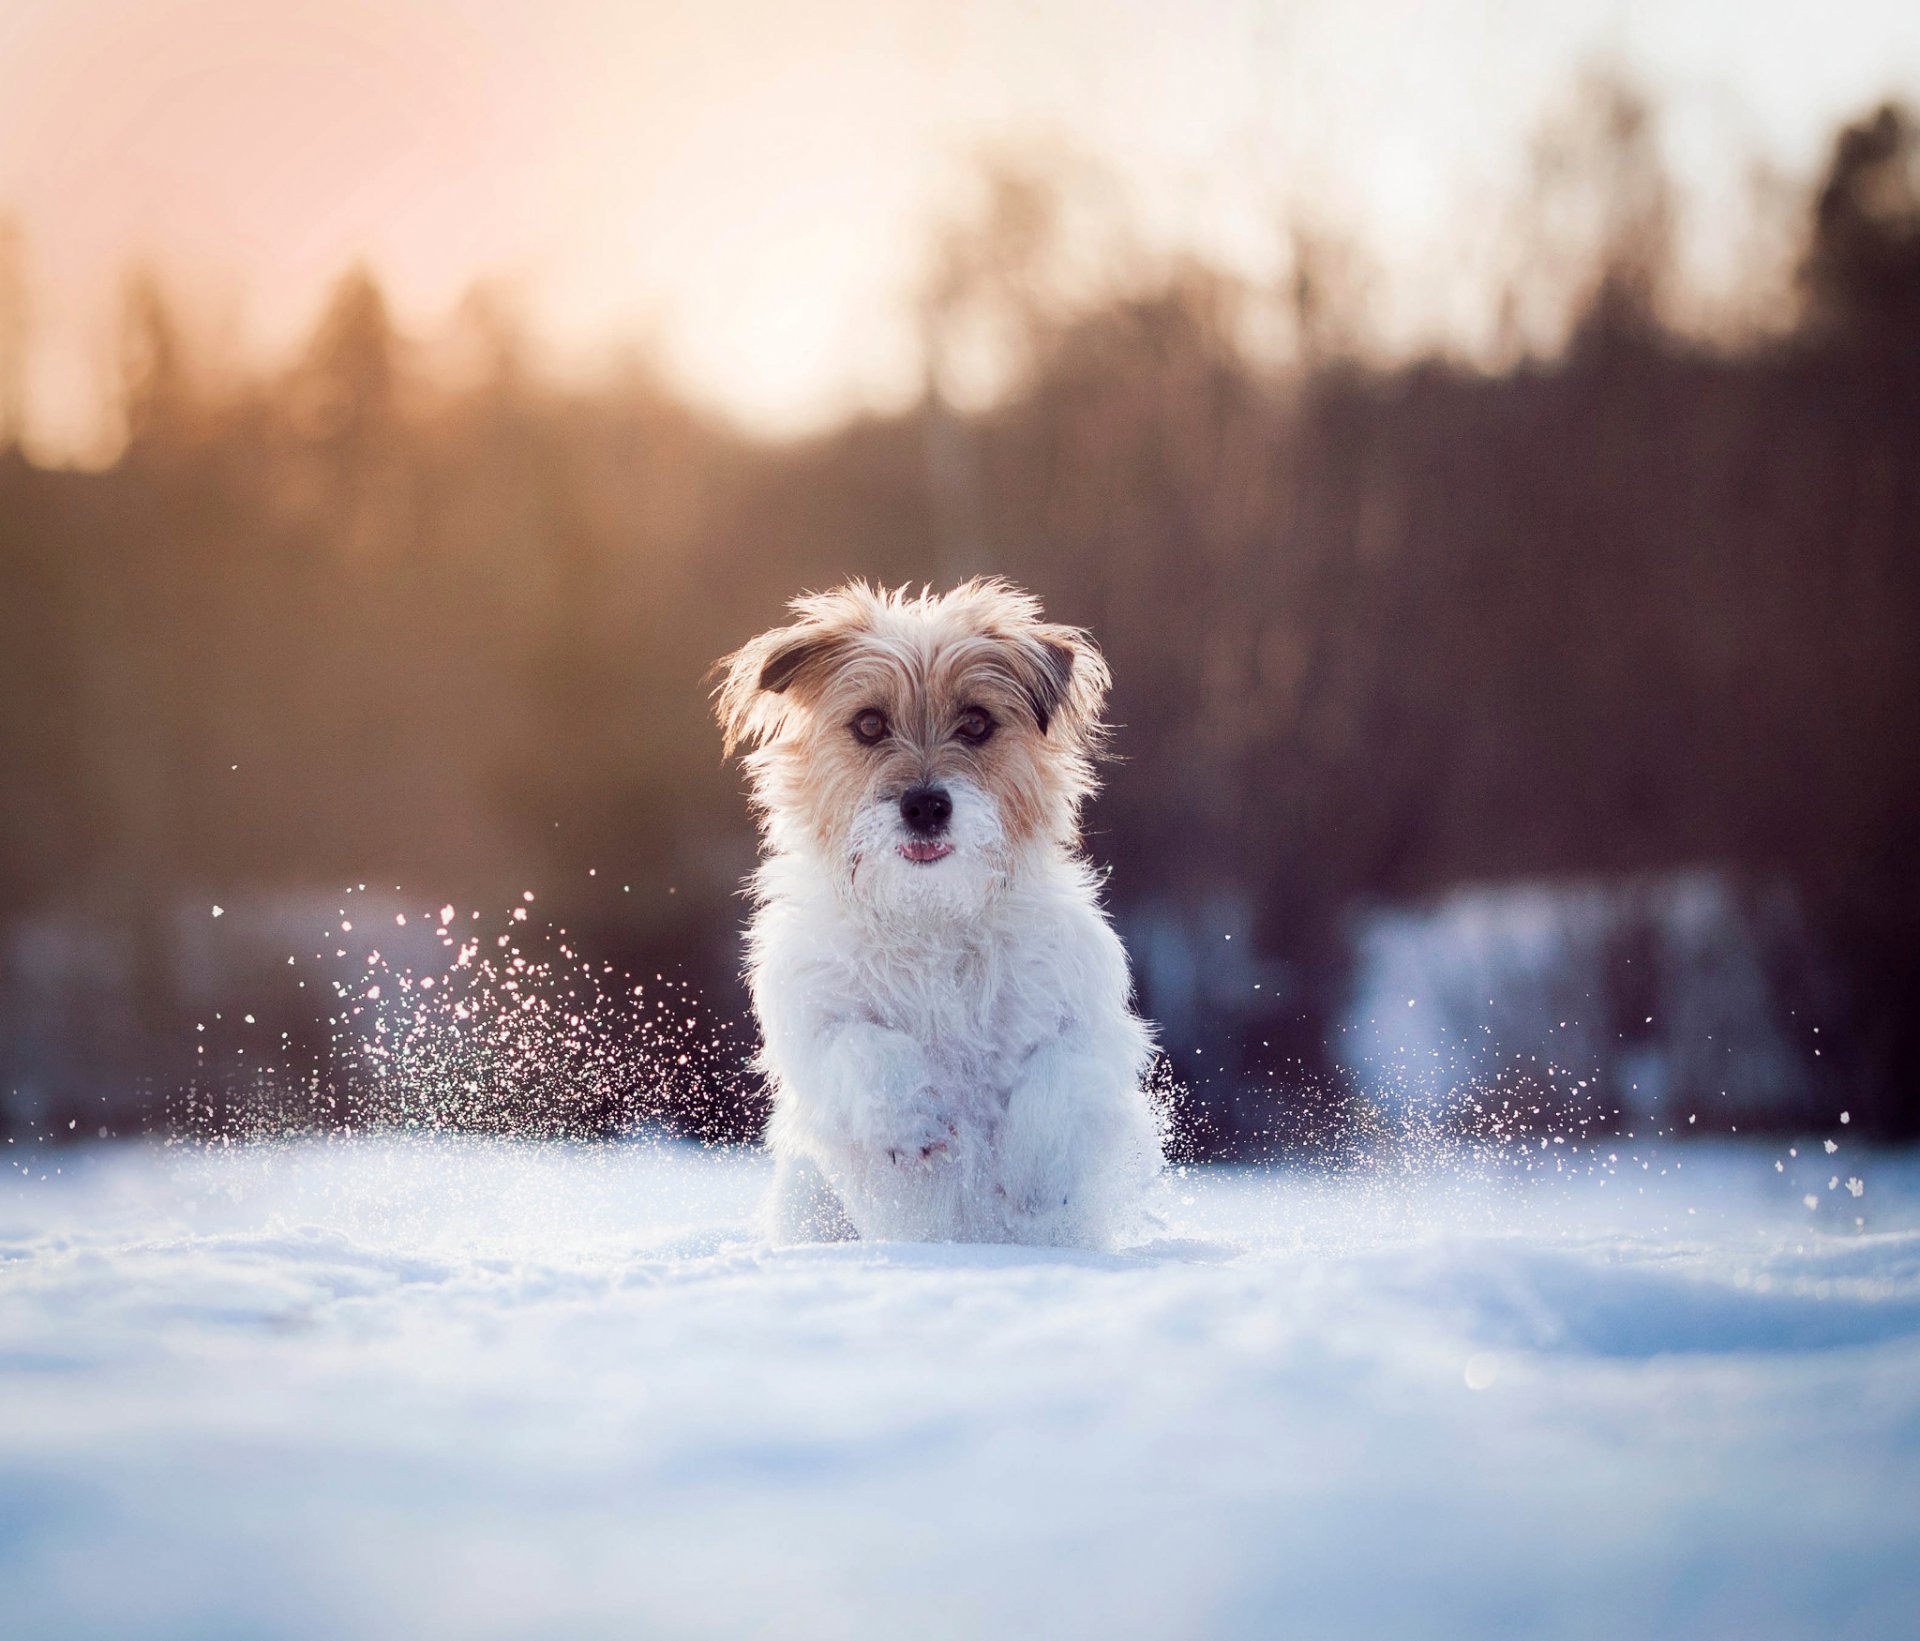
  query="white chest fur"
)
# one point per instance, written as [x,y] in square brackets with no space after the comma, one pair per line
[1002,1039]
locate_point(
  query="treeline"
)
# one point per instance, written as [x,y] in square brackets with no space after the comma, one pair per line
[1646,603]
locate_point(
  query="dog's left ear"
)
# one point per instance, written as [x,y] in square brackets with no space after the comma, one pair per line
[1064,678]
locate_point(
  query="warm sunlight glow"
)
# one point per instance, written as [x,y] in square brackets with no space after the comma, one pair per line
[743,189]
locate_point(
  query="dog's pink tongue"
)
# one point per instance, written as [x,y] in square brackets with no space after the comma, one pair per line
[925,852]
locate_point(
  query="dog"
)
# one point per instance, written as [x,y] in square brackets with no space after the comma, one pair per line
[945,1010]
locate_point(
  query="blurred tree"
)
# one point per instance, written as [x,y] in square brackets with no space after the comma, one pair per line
[1862,270]
[1328,294]
[346,389]
[157,393]
[986,301]
[15,333]
[1591,248]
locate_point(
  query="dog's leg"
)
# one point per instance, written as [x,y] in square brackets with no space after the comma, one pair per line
[803,1207]
[855,1089]
[1077,1142]
[859,1101]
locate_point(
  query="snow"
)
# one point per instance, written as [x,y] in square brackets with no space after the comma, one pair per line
[1644,986]
[501,1390]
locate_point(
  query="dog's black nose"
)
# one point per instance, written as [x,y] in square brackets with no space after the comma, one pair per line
[926,810]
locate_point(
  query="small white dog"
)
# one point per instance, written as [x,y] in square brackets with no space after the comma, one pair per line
[945,1008]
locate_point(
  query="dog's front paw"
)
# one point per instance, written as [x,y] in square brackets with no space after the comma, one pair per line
[922,1138]
[1033,1195]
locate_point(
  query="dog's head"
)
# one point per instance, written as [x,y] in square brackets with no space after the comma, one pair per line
[919,746]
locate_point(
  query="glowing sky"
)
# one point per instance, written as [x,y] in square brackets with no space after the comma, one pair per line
[744,186]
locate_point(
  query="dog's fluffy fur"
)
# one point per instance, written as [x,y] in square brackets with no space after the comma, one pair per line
[949,1041]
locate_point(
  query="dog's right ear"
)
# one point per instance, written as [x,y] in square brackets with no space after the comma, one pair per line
[753,697]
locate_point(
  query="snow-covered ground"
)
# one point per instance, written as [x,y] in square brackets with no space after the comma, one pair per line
[441,1389]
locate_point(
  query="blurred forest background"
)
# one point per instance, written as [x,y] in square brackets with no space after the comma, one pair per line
[1585,678]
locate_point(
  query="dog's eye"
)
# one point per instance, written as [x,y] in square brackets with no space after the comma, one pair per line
[975,725]
[871,725]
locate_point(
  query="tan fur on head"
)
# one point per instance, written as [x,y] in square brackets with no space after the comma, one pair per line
[924,661]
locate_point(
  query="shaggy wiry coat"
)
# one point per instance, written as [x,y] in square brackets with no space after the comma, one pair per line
[945,1012]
